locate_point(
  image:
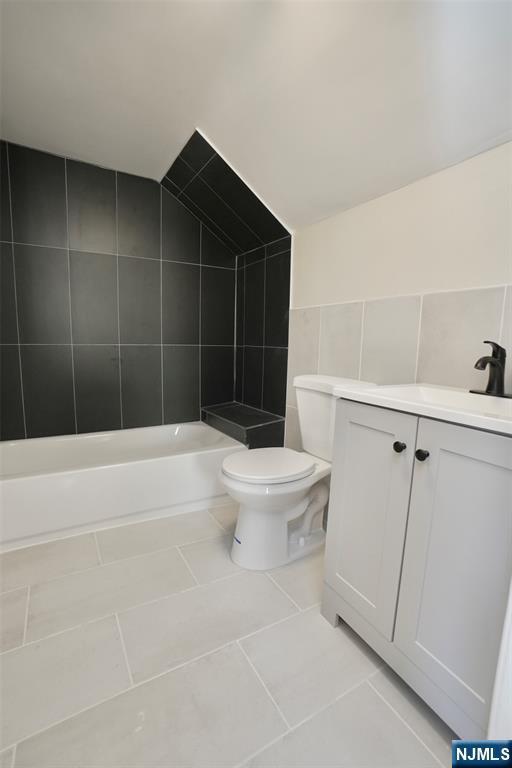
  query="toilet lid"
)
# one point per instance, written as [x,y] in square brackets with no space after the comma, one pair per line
[268,465]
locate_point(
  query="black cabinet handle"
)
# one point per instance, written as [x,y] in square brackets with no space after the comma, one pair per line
[398,447]
[421,455]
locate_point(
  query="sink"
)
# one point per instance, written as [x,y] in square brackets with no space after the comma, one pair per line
[445,403]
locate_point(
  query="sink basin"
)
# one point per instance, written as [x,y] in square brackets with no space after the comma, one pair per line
[445,403]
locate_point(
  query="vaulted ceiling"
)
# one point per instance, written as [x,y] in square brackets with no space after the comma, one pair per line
[317,105]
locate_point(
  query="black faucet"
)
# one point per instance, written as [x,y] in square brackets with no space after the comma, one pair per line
[496,363]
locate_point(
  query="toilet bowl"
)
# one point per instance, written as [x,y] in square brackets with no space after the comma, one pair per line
[282,492]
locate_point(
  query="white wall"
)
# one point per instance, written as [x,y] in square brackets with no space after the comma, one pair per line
[450,230]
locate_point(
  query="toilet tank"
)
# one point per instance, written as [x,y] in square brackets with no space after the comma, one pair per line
[317,408]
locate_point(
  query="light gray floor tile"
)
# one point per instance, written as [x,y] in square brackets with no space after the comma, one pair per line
[358,731]
[211,713]
[432,731]
[226,516]
[6,758]
[306,664]
[211,559]
[168,632]
[101,591]
[42,562]
[47,681]
[303,579]
[140,538]
[12,618]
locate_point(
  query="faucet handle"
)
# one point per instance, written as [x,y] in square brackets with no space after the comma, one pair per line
[498,352]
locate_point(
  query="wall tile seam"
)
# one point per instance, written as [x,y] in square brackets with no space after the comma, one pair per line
[73,378]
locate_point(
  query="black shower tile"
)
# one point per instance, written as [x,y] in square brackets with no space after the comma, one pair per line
[8,322]
[215,208]
[242,414]
[11,407]
[169,185]
[226,427]
[93,297]
[98,403]
[180,303]
[254,304]
[38,195]
[141,386]
[274,380]
[216,375]
[208,222]
[235,193]
[91,207]
[180,231]
[257,254]
[267,436]
[277,300]
[279,246]
[48,390]
[139,301]
[240,306]
[215,252]
[138,211]
[253,373]
[197,151]
[179,174]
[217,305]
[5,202]
[181,384]
[239,374]
[42,287]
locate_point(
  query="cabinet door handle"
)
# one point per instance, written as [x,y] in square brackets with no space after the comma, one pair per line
[421,455]
[398,447]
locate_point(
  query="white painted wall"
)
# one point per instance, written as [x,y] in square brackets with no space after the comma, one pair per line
[451,230]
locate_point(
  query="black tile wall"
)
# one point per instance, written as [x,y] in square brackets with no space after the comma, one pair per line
[217,293]
[38,197]
[181,383]
[121,298]
[141,385]
[48,389]
[98,404]
[91,207]
[138,202]
[93,288]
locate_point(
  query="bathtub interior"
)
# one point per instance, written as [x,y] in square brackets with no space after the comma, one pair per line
[20,458]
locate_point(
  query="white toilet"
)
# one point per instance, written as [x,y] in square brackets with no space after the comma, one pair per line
[282,492]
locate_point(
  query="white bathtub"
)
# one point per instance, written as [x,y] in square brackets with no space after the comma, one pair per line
[54,484]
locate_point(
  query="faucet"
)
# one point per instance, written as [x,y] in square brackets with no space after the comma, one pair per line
[496,363]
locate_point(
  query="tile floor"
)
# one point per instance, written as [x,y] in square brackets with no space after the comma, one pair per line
[145,646]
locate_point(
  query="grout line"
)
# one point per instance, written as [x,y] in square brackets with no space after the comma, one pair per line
[263,329]
[363,313]
[69,296]
[98,550]
[187,564]
[399,716]
[217,522]
[16,293]
[123,646]
[13,755]
[25,622]
[200,313]
[186,197]
[285,593]
[118,313]
[161,315]
[418,341]
[196,173]
[502,319]
[264,685]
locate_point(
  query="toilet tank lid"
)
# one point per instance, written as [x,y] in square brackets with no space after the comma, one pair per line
[327,383]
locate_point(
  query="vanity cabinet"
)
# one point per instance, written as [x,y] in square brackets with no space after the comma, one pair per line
[419,551]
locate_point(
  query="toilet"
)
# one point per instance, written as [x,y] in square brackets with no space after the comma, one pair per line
[282,492]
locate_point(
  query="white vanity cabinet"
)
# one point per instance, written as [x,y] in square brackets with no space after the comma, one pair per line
[419,552]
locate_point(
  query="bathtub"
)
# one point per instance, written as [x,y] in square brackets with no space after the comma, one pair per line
[55,486]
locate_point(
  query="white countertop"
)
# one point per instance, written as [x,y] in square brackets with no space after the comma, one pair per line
[445,403]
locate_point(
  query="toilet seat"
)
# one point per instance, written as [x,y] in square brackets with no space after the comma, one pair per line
[268,466]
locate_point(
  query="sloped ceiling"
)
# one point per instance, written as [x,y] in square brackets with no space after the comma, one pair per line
[318,105]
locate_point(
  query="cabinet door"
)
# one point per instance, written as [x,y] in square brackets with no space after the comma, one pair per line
[457,561]
[368,508]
